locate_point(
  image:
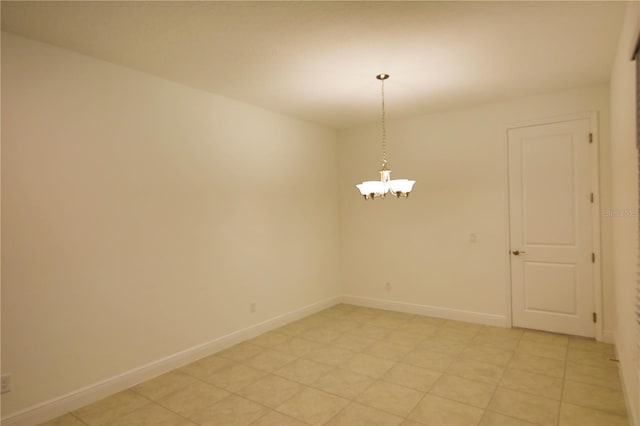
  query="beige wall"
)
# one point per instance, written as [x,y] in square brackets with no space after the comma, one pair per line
[421,244]
[624,191]
[141,217]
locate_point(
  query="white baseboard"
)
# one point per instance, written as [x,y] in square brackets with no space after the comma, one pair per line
[432,311]
[72,401]
[608,336]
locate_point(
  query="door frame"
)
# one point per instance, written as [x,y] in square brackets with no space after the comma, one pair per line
[592,116]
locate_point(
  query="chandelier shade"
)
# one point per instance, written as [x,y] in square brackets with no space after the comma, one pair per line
[400,188]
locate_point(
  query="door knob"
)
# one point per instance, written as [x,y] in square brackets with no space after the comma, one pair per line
[517,252]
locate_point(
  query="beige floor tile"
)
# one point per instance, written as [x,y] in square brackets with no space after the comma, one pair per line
[443,344]
[303,371]
[235,377]
[241,352]
[431,360]
[233,410]
[408,422]
[404,316]
[313,406]
[311,371]
[270,390]
[501,332]
[292,329]
[332,316]
[370,330]
[403,338]
[273,418]
[331,355]
[359,415]
[164,385]
[337,311]
[270,339]
[436,411]
[419,329]
[462,326]
[64,420]
[587,344]
[269,360]
[110,408]
[491,418]
[463,390]
[389,397]
[369,310]
[353,343]
[499,342]
[460,335]
[537,364]
[347,307]
[389,322]
[597,397]
[534,409]
[193,398]
[574,415]
[341,325]
[344,383]
[313,321]
[533,383]
[385,350]
[411,376]
[476,370]
[539,349]
[591,358]
[545,338]
[489,354]
[344,307]
[297,347]
[206,366]
[369,365]
[321,335]
[151,414]
[607,376]
[360,317]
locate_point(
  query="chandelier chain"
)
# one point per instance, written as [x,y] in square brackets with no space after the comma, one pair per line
[384,129]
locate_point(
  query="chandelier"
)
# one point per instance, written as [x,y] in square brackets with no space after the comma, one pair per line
[379,188]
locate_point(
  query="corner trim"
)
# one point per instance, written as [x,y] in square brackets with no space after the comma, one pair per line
[432,311]
[60,405]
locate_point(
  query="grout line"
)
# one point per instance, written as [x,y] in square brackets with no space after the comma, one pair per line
[78,418]
[493,395]
[564,379]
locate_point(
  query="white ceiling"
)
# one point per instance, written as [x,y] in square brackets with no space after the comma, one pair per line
[318,60]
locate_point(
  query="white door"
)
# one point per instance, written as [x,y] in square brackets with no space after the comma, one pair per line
[551,227]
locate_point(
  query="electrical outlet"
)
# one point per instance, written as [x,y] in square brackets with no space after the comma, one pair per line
[387,286]
[252,307]
[5,383]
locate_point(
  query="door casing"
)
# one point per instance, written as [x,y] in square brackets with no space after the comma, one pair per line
[595,212]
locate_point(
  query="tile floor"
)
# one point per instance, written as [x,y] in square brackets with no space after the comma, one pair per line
[351,366]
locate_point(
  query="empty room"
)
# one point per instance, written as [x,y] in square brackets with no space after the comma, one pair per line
[320,213]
